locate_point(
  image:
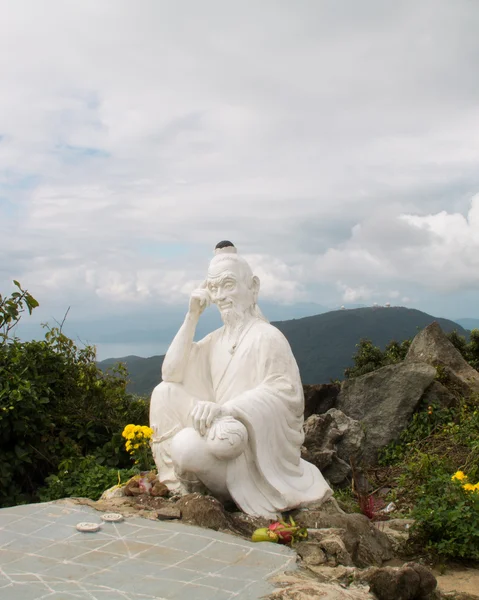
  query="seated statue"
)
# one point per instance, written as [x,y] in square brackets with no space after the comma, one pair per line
[229,411]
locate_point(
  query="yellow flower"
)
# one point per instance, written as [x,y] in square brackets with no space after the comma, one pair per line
[469,487]
[460,476]
[127,431]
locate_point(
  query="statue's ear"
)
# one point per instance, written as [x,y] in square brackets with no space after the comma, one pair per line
[256,285]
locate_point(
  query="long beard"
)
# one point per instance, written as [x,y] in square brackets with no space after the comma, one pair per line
[233,318]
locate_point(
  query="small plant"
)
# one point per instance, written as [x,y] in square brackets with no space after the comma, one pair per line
[369,505]
[11,309]
[138,445]
[447,516]
[82,478]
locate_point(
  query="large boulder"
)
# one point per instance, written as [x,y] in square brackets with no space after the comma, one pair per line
[204,511]
[365,544]
[384,401]
[319,398]
[438,394]
[432,346]
[412,581]
[331,441]
[320,437]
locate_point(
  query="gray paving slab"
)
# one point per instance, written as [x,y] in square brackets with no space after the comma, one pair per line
[44,557]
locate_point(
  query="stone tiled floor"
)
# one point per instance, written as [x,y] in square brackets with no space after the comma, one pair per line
[42,556]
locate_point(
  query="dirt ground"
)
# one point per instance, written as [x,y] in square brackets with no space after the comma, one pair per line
[459,579]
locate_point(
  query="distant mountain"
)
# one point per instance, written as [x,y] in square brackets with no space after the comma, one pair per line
[323,344]
[469,324]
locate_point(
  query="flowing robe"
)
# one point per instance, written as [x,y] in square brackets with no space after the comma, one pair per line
[260,386]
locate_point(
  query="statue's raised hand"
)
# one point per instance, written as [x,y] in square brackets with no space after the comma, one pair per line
[199,300]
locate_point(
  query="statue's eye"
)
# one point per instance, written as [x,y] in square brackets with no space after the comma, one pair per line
[229,285]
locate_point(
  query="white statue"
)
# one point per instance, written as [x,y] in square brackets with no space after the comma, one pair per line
[229,412]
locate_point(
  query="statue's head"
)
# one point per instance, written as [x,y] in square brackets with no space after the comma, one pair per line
[231,284]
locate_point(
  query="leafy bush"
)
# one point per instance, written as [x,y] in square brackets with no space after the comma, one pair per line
[369,357]
[437,443]
[425,421]
[55,404]
[447,518]
[82,478]
[11,309]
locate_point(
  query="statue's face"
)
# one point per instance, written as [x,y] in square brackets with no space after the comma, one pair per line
[228,290]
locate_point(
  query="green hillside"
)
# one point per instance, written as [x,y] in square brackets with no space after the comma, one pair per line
[323,345]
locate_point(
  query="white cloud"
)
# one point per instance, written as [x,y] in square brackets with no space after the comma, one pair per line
[353,295]
[301,133]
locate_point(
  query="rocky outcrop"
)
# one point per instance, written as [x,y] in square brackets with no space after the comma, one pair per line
[384,401]
[320,398]
[331,441]
[431,346]
[298,587]
[365,544]
[437,394]
[410,582]
[204,511]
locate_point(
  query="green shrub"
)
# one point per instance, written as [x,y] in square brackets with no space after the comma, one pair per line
[369,357]
[82,478]
[447,518]
[56,404]
[425,421]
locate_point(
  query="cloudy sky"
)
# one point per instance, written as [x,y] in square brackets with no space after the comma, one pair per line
[336,143]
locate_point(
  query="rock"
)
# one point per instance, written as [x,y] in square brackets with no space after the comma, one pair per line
[117,491]
[397,534]
[132,488]
[204,511]
[168,511]
[432,346]
[245,524]
[410,582]
[331,441]
[325,546]
[300,587]
[438,394]
[428,582]
[320,437]
[400,524]
[364,542]
[339,574]
[319,398]
[311,553]
[335,550]
[384,401]
[352,435]
[159,489]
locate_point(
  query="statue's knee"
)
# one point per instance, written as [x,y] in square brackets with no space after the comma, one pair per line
[172,400]
[164,391]
[187,450]
[227,438]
